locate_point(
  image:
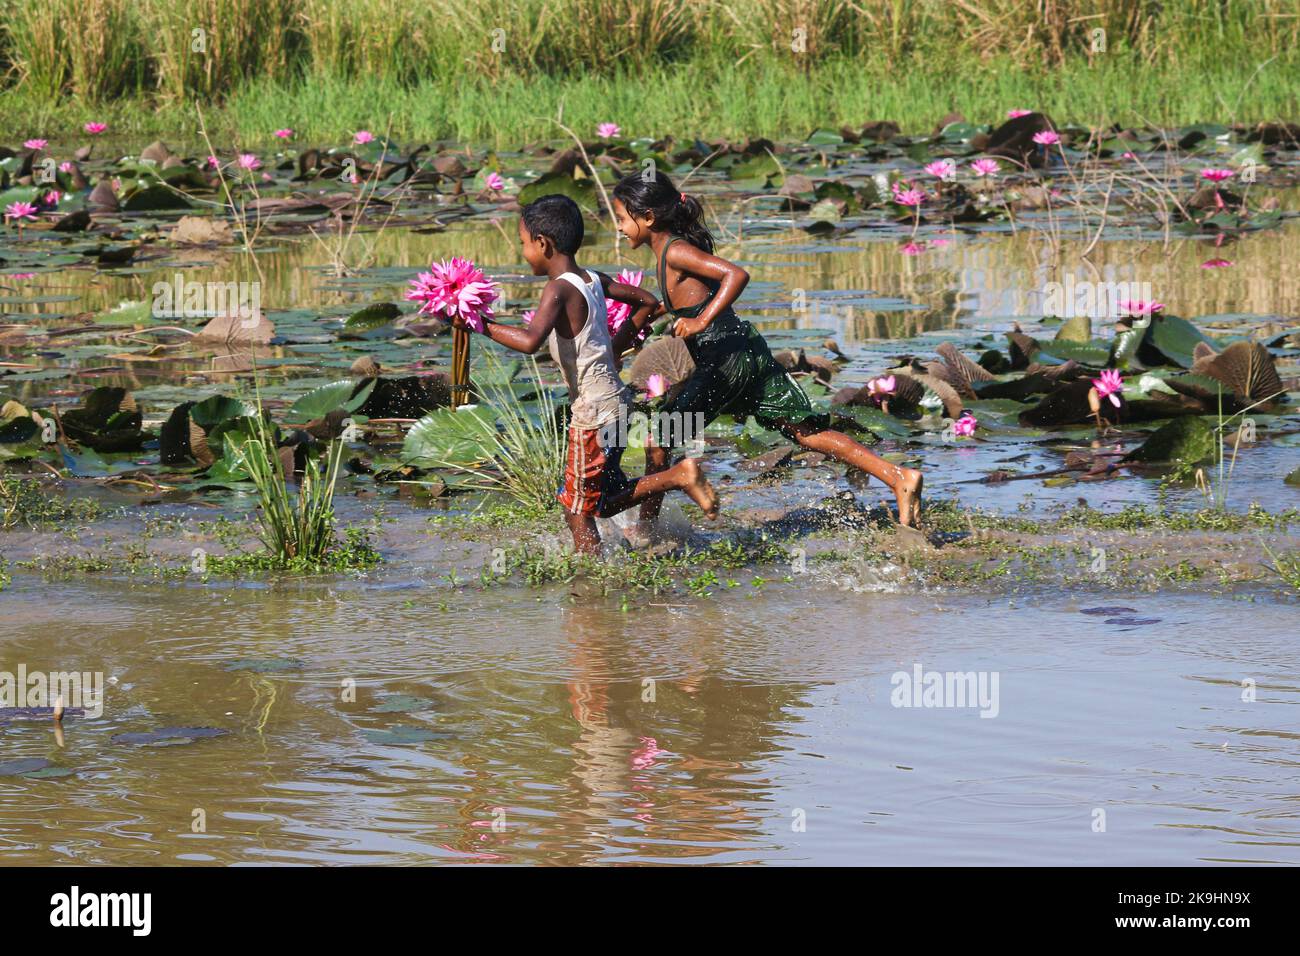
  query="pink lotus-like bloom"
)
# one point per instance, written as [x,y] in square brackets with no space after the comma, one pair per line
[911,196]
[494,182]
[882,388]
[1128,156]
[984,167]
[36,143]
[1047,137]
[284,133]
[249,161]
[911,248]
[619,312]
[656,385]
[608,130]
[1217,263]
[21,275]
[1217,175]
[1016,114]
[51,198]
[937,243]
[1139,307]
[944,169]
[20,211]
[643,758]
[94,129]
[528,317]
[1110,385]
[362,137]
[965,426]
[66,167]
[455,287]
[267,178]
[213,162]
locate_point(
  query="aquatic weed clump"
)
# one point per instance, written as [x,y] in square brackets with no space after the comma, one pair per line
[23,501]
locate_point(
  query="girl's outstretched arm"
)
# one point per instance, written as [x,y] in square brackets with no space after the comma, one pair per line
[530,338]
[644,307]
[701,265]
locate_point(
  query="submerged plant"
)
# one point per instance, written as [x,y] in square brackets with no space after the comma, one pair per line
[525,445]
[296,529]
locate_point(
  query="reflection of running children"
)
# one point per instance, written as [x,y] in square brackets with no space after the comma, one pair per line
[735,372]
[571,317]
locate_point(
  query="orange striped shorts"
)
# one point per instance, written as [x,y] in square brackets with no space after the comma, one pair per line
[592,473]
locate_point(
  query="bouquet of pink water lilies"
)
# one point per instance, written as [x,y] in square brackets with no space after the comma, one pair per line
[451,288]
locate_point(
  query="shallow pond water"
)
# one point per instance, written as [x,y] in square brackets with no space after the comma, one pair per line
[736,730]
[378,719]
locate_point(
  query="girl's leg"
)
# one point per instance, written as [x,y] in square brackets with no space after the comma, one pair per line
[656,461]
[683,476]
[586,537]
[906,483]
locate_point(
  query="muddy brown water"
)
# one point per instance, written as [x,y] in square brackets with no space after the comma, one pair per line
[382,718]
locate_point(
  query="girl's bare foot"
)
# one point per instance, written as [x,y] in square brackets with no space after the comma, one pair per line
[908,494]
[698,488]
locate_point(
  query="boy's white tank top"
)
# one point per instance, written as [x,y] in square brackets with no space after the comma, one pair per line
[587,361]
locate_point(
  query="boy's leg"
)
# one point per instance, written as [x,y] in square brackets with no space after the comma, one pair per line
[586,537]
[684,476]
[906,483]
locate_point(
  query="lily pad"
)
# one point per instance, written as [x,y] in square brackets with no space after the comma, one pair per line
[1186,440]
[168,736]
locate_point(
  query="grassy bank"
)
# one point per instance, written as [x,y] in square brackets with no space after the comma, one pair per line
[498,72]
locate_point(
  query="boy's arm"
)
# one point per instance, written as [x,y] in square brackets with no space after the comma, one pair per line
[696,262]
[644,308]
[529,338]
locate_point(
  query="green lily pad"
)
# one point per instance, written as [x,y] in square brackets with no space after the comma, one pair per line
[1184,441]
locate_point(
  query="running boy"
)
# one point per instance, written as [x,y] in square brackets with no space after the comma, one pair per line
[571,318]
[734,369]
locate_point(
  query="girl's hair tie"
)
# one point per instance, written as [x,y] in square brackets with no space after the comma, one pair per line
[683,195]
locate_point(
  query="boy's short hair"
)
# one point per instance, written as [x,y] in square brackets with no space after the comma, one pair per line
[558,218]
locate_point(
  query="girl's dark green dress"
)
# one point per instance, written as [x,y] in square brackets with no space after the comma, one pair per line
[735,373]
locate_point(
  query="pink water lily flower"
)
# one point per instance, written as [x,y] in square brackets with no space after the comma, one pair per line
[362,137]
[1217,175]
[643,758]
[1110,385]
[1047,137]
[656,385]
[284,133]
[882,387]
[51,198]
[494,182]
[1140,308]
[94,129]
[213,162]
[249,161]
[1217,263]
[455,287]
[942,169]
[965,426]
[528,316]
[618,312]
[20,211]
[36,143]
[66,167]
[984,167]
[608,130]
[1016,114]
[911,248]
[910,196]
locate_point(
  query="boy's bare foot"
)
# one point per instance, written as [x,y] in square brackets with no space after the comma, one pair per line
[908,494]
[698,487]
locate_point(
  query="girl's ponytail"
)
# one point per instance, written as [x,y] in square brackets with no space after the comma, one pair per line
[673,211]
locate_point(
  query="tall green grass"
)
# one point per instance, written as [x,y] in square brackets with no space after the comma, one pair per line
[498,70]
